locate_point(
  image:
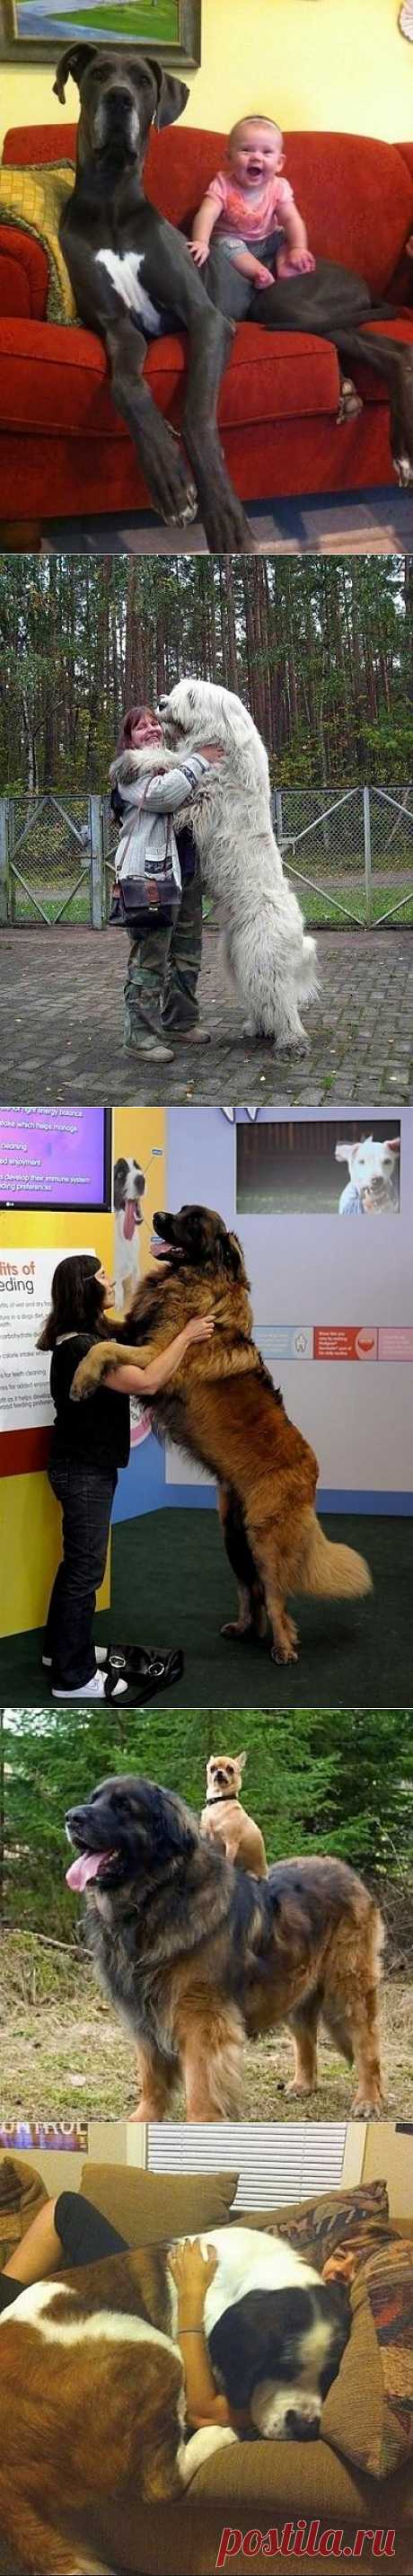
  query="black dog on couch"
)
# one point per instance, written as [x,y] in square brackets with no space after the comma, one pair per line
[133,278]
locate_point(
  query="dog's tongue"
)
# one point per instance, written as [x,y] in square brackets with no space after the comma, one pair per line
[129,1220]
[85,1867]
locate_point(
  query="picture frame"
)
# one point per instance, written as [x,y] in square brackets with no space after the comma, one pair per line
[171,29]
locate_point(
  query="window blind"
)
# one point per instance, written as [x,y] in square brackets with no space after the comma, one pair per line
[274,2163]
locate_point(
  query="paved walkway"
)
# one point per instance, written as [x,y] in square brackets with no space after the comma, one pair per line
[62,1027]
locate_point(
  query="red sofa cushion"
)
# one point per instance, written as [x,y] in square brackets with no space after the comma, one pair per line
[356,194]
[57,379]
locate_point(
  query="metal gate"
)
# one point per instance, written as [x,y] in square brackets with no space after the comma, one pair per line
[351,851]
[51,858]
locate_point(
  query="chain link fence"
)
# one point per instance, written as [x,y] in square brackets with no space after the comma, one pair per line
[348,852]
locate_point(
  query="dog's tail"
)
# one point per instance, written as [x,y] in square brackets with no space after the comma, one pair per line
[325,1568]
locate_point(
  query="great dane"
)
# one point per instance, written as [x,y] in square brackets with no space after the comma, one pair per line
[133,278]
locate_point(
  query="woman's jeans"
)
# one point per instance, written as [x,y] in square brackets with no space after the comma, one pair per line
[86,1497]
[85,2237]
[163,970]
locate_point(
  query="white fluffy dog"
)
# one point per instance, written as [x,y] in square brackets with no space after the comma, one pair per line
[268,956]
[269,959]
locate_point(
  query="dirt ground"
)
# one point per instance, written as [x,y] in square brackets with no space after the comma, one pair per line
[62,1027]
[66,2054]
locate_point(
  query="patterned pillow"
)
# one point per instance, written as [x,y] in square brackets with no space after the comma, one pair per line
[359,2217]
[368,2414]
[21,2195]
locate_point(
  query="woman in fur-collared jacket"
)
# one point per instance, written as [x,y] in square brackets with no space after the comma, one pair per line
[161,1006]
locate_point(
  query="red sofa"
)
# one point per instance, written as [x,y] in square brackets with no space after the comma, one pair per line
[63,451]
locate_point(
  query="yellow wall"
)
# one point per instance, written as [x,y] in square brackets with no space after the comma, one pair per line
[313,63]
[31,1516]
[389,2156]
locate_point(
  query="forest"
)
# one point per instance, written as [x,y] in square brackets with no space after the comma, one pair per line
[320,649]
[339,1780]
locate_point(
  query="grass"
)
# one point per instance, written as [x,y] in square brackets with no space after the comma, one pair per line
[319,907]
[135,18]
[64,2052]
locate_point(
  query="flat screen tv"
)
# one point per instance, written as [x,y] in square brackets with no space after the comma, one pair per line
[55,1158]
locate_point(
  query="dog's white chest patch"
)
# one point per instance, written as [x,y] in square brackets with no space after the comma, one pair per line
[124,270]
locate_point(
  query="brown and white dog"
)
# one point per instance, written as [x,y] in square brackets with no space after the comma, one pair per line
[93,2418]
[93,2406]
[225,1820]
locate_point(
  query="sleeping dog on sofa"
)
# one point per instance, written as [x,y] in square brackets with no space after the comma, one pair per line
[93,2408]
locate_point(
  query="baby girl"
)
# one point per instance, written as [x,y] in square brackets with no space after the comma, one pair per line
[251,208]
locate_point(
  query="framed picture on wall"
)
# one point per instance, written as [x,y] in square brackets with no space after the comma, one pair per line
[38,30]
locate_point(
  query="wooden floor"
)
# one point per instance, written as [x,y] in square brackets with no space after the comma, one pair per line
[379,522]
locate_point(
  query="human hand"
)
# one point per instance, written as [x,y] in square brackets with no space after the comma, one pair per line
[213,751]
[192,2270]
[199,252]
[200,1328]
[263,276]
[295,263]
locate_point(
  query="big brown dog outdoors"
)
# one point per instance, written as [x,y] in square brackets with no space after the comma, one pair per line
[224,1411]
[198,1956]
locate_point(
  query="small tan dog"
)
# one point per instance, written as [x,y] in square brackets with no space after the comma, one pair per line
[224,1817]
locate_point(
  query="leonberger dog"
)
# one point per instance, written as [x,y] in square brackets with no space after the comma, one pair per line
[198,1956]
[222,1409]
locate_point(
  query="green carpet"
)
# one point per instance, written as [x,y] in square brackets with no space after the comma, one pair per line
[171,1585]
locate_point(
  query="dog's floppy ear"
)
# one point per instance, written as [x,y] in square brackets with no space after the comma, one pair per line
[176,1829]
[229,1255]
[172,94]
[393,1142]
[72,64]
[119,1178]
[344,1153]
[242,2352]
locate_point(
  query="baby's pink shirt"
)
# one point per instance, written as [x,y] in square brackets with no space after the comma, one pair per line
[252,218]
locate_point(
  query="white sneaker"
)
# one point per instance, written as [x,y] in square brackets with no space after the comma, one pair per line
[95,1689]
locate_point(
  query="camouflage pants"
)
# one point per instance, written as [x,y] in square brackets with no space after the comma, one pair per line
[163,969]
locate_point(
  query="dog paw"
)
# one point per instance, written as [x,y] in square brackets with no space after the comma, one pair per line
[287,1654]
[364,2109]
[238,1628]
[403,467]
[293,1046]
[299,2092]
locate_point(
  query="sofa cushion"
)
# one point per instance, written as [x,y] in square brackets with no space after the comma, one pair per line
[357,2217]
[53,379]
[22,2194]
[377,2366]
[149,2208]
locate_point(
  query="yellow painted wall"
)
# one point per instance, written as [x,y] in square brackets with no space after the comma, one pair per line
[31,1515]
[312,63]
[389,2156]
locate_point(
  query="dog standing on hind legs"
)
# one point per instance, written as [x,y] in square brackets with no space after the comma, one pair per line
[224,1411]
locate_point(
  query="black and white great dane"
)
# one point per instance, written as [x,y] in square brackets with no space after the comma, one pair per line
[133,278]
